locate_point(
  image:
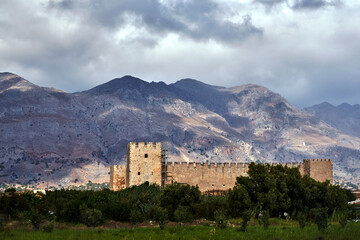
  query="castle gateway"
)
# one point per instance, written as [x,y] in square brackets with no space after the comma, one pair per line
[146,162]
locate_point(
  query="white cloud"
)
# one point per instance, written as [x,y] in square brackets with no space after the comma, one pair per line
[307,55]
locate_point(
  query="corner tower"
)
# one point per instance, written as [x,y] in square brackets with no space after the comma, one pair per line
[143,163]
[318,169]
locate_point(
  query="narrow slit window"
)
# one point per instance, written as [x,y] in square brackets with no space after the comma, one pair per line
[146,155]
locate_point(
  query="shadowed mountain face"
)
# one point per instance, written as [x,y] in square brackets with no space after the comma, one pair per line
[344,117]
[80,135]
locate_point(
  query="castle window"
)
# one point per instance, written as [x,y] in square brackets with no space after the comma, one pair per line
[223,185]
[146,155]
[212,185]
[138,173]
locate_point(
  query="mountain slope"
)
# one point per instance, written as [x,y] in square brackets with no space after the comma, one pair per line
[80,135]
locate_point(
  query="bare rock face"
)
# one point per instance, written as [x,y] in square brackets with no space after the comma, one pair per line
[80,135]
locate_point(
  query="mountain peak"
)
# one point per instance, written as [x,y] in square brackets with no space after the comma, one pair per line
[7,76]
[12,81]
[125,82]
[190,83]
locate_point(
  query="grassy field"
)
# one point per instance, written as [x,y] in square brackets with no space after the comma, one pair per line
[289,231]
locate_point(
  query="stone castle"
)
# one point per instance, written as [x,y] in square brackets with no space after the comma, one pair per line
[146,162]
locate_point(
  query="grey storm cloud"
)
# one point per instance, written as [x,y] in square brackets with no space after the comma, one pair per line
[196,19]
[75,45]
[314,4]
[302,4]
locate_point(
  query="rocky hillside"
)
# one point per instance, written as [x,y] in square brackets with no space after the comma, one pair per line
[80,135]
[344,117]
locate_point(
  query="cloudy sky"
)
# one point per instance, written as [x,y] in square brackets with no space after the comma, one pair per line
[306,50]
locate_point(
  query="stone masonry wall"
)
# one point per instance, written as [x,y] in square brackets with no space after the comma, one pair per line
[319,169]
[208,176]
[118,177]
[143,163]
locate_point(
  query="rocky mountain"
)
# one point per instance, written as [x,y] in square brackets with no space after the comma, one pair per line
[78,136]
[344,117]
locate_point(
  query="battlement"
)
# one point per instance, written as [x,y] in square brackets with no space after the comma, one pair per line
[145,162]
[144,146]
[210,164]
[118,167]
[230,164]
[317,160]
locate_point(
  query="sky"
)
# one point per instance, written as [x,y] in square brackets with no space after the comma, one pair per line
[308,51]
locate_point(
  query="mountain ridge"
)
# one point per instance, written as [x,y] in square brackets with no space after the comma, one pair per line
[79,135]
[345,117]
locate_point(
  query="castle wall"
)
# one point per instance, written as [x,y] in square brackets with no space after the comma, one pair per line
[206,176]
[143,163]
[118,177]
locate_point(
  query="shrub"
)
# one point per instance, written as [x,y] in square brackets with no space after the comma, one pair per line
[160,216]
[10,190]
[35,218]
[136,216]
[91,217]
[301,217]
[343,218]
[183,214]
[220,219]
[321,218]
[264,219]
[246,216]
[49,227]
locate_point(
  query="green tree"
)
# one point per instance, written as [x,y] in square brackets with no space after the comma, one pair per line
[176,195]
[239,201]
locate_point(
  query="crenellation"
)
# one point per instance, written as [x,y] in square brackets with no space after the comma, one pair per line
[145,163]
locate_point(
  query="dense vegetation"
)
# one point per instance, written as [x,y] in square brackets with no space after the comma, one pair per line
[268,191]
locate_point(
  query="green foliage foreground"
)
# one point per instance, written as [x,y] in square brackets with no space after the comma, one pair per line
[352,231]
[268,192]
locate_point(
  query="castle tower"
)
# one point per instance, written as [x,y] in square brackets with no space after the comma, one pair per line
[318,169]
[118,177]
[143,163]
